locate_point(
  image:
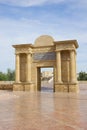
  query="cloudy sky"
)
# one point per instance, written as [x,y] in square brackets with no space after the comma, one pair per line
[22,21]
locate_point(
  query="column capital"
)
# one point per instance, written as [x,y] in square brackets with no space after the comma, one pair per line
[73,50]
[17,53]
[29,53]
[58,51]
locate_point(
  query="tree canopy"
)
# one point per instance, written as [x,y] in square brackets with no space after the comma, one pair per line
[82,76]
[8,76]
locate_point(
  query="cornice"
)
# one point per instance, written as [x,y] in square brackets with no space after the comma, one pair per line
[67,41]
[23,46]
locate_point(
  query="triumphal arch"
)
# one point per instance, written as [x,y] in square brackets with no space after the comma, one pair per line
[45,52]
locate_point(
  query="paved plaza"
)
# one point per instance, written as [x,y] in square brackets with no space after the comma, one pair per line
[43,110]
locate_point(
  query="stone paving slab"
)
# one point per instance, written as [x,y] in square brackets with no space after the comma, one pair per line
[43,111]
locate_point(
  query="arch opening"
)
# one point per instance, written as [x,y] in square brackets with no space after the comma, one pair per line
[45,79]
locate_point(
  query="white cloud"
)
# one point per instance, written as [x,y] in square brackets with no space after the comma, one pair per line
[26,3]
[26,31]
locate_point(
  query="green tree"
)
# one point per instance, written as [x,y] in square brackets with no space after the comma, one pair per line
[10,75]
[82,76]
[3,76]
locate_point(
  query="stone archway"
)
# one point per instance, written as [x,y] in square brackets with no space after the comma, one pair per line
[45,79]
[45,52]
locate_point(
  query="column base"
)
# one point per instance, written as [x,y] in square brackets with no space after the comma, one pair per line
[24,87]
[64,87]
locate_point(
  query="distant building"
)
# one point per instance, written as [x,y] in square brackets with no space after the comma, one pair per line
[47,74]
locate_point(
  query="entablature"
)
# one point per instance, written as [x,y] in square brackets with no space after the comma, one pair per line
[23,50]
[44,49]
[66,45]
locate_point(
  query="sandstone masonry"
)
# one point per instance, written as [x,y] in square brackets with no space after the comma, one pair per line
[45,52]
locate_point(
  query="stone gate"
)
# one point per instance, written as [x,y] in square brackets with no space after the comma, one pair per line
[45,52]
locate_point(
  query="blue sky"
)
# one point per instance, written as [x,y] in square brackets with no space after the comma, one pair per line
[22,21]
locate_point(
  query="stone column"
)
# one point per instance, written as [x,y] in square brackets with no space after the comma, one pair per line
[17,74]
[73,66]
[58,64]
[29,67]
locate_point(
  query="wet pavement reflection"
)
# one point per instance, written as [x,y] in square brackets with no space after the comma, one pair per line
[43,111]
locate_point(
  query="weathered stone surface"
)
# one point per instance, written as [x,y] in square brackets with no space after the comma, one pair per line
[44,56]
[44,40]
[61,55]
